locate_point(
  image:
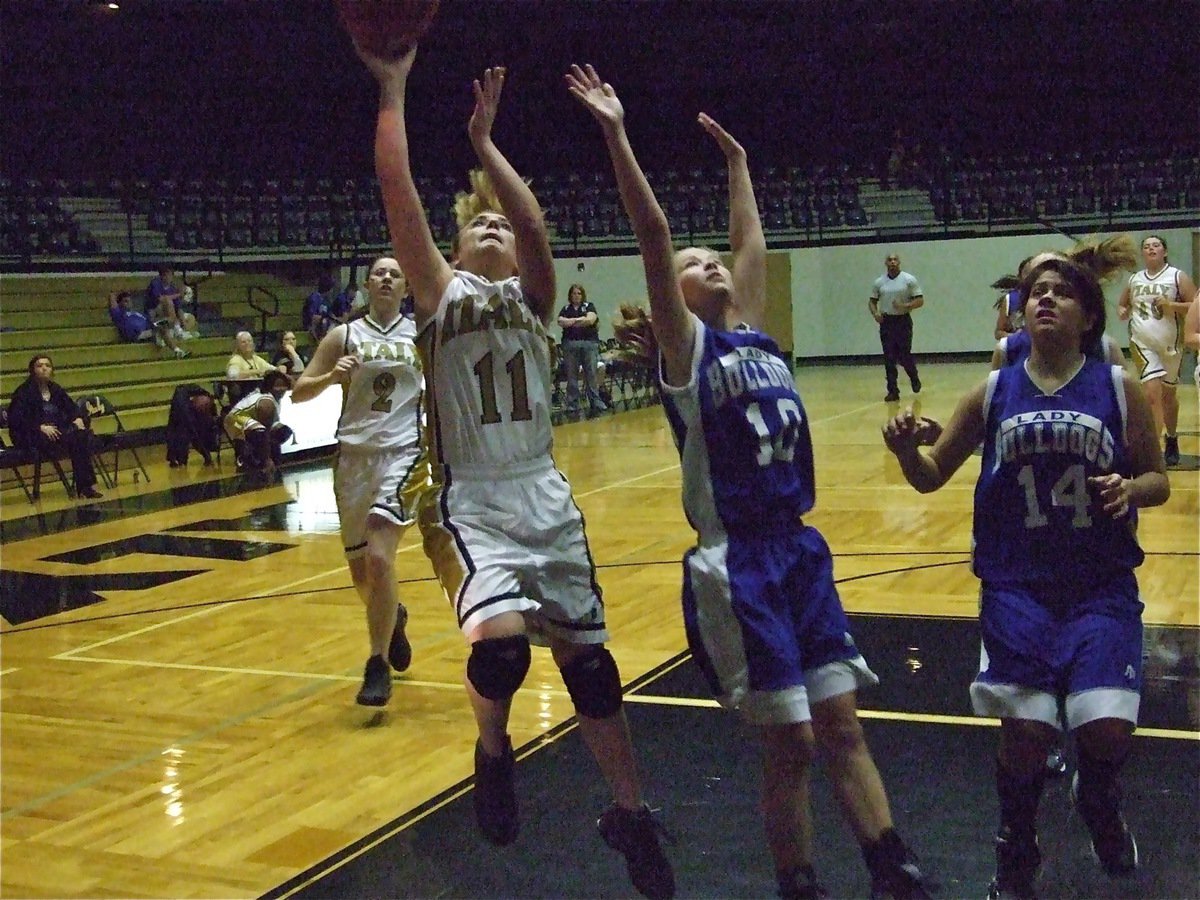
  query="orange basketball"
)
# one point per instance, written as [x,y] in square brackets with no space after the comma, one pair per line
[386,28]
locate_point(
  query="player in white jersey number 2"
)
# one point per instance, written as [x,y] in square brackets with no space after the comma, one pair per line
[1155,302]
[381,468]
[500,525]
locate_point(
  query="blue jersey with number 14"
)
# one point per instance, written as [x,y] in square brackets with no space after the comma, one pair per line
[742,434]
[1036,519]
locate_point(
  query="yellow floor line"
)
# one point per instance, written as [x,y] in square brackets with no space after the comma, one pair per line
[890,716]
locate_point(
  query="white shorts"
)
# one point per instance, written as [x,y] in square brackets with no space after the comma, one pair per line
[372,482]
[515,544]
[238,422]
[1154,361]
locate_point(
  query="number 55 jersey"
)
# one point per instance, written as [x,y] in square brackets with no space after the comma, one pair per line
[1037,520]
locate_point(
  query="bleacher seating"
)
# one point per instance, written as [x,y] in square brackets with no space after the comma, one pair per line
[251,217]
[1025,190]
[68,319]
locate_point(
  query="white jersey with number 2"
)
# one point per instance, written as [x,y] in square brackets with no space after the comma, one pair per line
[381,407]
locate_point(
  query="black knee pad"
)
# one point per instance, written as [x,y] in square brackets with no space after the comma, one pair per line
[497,666]
[594,683]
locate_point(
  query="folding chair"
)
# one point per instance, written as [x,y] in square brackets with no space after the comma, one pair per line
[15,457]
[95,407]
[12,458]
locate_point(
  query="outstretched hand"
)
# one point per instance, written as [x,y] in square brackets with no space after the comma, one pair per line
[598,96]
[487,104]
[388,72]
[731,148]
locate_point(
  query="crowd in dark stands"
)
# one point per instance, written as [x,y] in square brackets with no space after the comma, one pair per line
[346,212]
[33,220]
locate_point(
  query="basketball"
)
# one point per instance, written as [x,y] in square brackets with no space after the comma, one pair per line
[386,28]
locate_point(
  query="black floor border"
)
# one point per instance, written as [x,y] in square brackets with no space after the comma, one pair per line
[83,515]
[19,629]
[340,857]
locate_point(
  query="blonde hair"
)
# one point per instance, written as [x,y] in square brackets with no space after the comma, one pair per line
[1106,257]
[1103,257]
[481,199]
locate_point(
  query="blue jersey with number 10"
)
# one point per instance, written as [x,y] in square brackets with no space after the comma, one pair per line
[742,434]
[1036,519]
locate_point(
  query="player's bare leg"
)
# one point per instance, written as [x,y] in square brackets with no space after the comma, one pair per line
[787,815]
[859,789]
[374,577]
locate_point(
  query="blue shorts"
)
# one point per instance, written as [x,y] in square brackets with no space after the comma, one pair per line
[766,626]
[1046,645]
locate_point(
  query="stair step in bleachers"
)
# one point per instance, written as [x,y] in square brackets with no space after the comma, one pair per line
[47,339]
[117,354]
[66,316]
[76,378]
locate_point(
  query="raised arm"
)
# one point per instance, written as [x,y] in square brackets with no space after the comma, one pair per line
[746,237]
[329,365]
[534,260]
[927,472]
[673,325]
[427,270]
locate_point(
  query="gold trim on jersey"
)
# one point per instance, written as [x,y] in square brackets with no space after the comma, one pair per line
[426,344]
[415,485]
[441,545]
[1139,358]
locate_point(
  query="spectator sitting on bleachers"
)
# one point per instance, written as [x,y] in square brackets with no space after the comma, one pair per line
[358,297]
[287,358]
[317,316]
[164,302]
[42,417]
[343,304]
[245,363]
[133,326]
[253,424]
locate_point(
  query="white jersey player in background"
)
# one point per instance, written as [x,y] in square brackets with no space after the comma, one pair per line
[381,467]
[1155,302]
[501,526]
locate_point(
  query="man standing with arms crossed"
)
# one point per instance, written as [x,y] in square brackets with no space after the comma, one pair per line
[893,298]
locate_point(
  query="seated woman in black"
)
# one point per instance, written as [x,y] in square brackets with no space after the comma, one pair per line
[43,418]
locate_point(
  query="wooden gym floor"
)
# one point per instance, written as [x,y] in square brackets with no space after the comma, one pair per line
[179,662]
